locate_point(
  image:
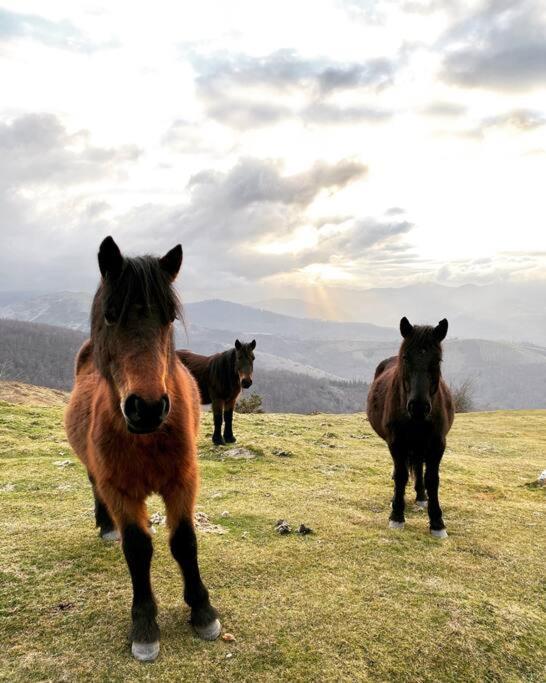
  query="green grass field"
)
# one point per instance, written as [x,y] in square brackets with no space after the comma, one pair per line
[352,602]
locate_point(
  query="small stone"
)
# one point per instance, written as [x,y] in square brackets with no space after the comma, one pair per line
[228,637]
[282,454]
[157,518]
[282,527]
[64,463]
[229,655]
[304,530]
[225,513]
[542,478]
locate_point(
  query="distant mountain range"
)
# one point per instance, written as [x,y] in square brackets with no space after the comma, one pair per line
[505,374]
[507,311]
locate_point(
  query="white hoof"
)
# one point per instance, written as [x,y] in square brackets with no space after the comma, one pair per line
[113,535]
[395,525]
[145,652]
[210,631]
[422,504]
[438,533]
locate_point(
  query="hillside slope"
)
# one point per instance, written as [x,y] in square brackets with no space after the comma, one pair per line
[351,602]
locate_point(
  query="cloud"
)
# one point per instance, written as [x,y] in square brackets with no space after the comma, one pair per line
[59,34]
[223,217]
[252,92]
[519,119]
[330,114]
[444,109]
[501,47]
[285,70]
[38,149]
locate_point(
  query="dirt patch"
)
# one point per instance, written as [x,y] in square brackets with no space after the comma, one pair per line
[239,454]
[203,523]
[28,394]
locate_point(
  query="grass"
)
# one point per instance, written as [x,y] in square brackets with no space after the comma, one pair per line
[352,602]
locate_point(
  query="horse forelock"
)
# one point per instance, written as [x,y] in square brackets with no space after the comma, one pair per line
[421,337]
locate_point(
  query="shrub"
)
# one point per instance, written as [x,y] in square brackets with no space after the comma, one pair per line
[463,400]
[249,404]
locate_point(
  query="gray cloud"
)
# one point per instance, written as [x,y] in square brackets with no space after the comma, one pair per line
[37,148]
[223,217]
[60,34]
[238,90]
[285,69]
[502,47]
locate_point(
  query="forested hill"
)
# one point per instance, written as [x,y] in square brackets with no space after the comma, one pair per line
[44,355]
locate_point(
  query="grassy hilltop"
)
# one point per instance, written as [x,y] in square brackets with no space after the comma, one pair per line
[352,602]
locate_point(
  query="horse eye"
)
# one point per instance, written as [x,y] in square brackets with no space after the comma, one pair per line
[110,316]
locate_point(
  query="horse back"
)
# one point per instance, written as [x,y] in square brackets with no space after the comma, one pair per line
[198,367]
[386,363]
[381,400]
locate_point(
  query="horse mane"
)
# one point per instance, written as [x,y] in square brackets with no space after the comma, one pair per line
[222,369]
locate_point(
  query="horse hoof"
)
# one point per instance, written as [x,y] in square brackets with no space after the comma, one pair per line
[422,504]
[210,631]
[145,652]
[395,525]
[112,535]
[438,533]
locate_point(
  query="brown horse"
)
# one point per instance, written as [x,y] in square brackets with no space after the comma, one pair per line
[133,419]
[410,407]
[220,378]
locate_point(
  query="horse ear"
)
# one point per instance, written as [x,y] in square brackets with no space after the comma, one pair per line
[253,344]
[172,261]
[110,258]
[440,330]
[238,345]
[406,328]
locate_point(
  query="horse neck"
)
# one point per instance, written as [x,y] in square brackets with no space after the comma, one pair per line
[397,383]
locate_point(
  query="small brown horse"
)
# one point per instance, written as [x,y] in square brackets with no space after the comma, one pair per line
[133,419]
[220,378]
[410,407]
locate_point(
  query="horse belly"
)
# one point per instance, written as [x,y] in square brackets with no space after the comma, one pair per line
[77,417]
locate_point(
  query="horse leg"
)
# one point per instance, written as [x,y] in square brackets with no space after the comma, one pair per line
[432,482]
[228,422]
[217,408]
[420,494]
[132,520]
[400,476]
[183,543]
[103,521]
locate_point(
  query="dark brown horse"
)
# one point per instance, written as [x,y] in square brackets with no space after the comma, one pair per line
[410,407]
[133,419]
[220,378]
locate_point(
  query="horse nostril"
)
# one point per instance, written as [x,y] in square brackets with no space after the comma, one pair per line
[132,407]
[165,406]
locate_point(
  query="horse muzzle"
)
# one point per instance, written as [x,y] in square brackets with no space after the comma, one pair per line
[142,416]
[246,382]
[419,409]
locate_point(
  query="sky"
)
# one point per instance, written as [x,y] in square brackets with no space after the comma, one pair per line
[289,146]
